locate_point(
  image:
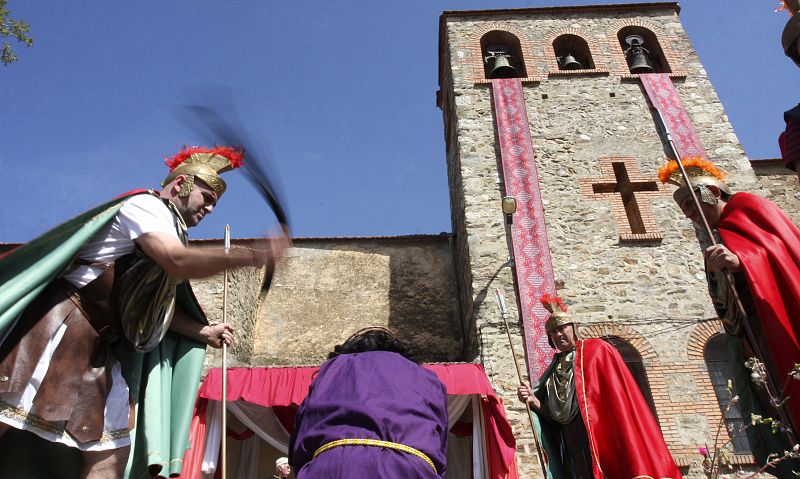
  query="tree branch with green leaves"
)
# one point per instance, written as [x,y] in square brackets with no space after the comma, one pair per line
[11,29]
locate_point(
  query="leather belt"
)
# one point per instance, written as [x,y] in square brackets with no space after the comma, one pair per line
[101,321]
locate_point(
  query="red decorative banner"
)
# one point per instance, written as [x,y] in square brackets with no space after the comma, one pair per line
[665,99]
[533,265]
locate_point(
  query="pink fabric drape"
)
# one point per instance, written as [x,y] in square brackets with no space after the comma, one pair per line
[500,441]
[263,386]
[193,458]
[533,264]
[663,96]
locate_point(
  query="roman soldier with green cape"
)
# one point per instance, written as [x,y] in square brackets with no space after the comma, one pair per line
[101,338]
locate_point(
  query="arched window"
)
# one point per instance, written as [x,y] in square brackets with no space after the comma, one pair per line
[502,55]
[642,50]
[572,53]
[635,365]
[720,371]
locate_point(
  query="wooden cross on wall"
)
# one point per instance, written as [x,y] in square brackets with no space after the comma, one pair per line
[630,194]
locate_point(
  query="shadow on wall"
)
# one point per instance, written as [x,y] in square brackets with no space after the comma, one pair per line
[423,300]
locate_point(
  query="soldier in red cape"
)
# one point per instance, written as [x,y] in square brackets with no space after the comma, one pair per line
[760,246]
[593,420]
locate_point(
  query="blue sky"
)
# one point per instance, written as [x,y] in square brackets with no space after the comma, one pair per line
[341,95]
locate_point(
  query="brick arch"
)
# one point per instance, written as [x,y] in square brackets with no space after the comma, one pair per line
[634,22]
[600,59]
[503,27]
[700,336]
[598,330]
[578,32]
[476,55]
[665,41]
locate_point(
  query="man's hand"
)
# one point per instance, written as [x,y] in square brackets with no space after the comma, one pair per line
[212,335]
[272,248]
[525,395]
[720,258]
[215,335]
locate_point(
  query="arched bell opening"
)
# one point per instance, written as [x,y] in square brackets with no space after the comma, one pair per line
[502,55]
[642,50]
[572,53]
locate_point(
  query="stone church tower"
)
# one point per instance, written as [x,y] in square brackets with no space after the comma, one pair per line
[594,220]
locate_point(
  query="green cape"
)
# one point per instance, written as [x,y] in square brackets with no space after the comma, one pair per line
[163,382]
[548,434]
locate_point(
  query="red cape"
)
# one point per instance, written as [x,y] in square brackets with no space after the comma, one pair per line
[626,441]
[768,246]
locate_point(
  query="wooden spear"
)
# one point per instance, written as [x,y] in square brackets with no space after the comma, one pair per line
[224,455]
[501,301]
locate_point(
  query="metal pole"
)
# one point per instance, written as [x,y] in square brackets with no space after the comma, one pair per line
[224,455]
[501,300]
[771,385]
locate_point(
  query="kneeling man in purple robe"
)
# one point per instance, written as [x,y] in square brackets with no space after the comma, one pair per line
[372,411]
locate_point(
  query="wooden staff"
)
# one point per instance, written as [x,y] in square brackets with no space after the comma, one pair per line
[771,384]
[224,455]
[501,300]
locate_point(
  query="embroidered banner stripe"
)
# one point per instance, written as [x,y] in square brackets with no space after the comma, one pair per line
[665,99]
[534,266]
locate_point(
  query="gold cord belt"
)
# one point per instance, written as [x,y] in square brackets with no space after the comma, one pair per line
[375,443]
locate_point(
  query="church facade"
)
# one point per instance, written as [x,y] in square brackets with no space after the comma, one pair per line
[620,251]
[592,222]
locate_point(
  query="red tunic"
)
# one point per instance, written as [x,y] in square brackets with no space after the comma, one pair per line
[768,246]
[625,439]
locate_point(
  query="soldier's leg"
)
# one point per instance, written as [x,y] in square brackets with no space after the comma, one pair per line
[105,464]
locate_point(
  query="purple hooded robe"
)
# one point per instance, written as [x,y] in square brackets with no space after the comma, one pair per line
[373,395]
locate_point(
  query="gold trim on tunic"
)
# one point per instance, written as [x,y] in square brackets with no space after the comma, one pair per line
[35,421]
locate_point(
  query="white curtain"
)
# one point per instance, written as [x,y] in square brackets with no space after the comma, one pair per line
[479,465]
[248,458]
[262,421]
[455,408]
[213,437]
[259,419]
[458,447]
[459,463]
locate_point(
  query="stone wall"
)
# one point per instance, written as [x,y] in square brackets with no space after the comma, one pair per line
[244,294]
[779,184]
[327,289]
[650,292]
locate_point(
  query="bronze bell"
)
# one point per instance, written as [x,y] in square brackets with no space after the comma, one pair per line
[568,62]
[640,63]
[502,67]
[637,55]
